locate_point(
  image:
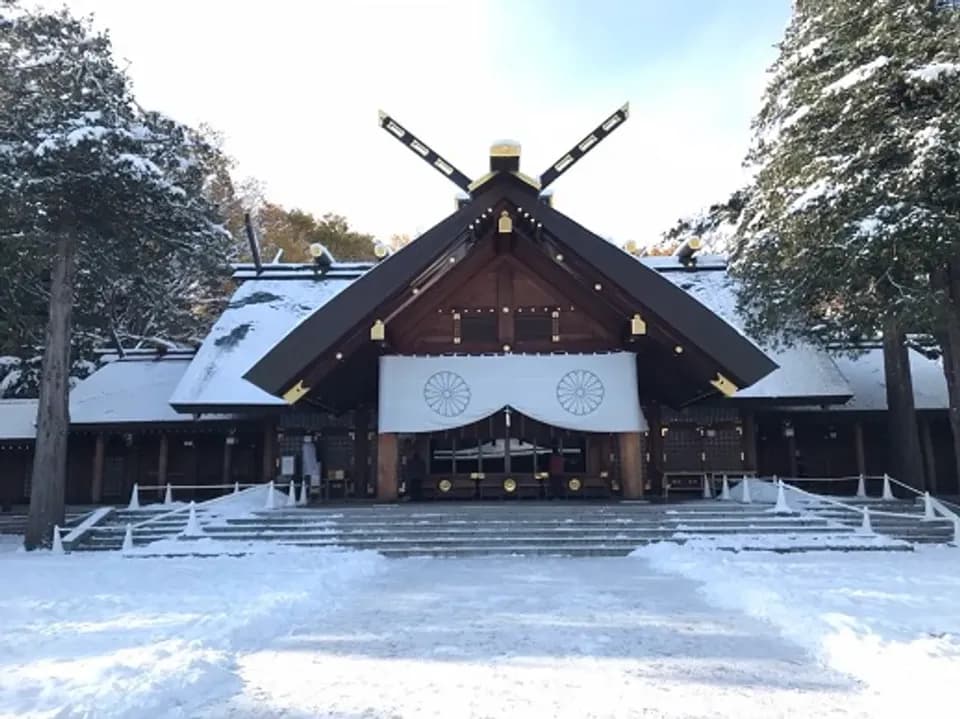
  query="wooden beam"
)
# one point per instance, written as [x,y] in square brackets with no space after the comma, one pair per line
[792,452]
[748,440]
[227,459]
[387,457]
[631,464]
[96,484]
[505,302]
[858,447]
[163,457]
[268,470]
[361,450]
[930,458]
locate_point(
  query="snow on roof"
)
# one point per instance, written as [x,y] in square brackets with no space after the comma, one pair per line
[866,377]
[260,314]
[804,370]
[17,418]
[136,389]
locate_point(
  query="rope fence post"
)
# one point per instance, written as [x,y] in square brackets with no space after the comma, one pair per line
[887,490]
[866,527]
[127,539]
[862,487]
[707,491]
[781,507]
[269,503]
[725,490]
[928,513]
[168,495]
[292,495]
[134,497]
[57,547]
[746,499]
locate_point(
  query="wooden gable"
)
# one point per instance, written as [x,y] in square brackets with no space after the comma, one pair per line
[495,302]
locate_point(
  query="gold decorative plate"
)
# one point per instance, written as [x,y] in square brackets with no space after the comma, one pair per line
[510,484]
[445,485]
[574,485]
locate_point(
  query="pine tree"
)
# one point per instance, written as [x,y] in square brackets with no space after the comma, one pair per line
[93,183]
[844,233]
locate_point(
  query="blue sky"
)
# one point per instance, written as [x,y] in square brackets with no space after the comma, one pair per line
[295,86]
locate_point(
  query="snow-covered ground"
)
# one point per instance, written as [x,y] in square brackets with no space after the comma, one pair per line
[892,620]
[101,635]
[671,631]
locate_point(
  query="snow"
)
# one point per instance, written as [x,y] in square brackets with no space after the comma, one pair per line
[804,371]
[934,71]
[132,390]
[857,75]
[260,314]
[891,620]
[99,635]
[670,631]
[18,418]
[866,377]
[821,189]
[534,637]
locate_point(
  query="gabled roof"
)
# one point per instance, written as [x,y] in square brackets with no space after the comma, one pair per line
[804,374]
[261,313]
[868,382]
[283,364]
[18,419]
[133,390]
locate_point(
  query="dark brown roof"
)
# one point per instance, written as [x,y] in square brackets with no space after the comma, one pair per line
[735,355]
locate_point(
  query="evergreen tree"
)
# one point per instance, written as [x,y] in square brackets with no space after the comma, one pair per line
[850,218]
[95,186]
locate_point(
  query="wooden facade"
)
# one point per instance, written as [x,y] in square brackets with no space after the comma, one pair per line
[505,274]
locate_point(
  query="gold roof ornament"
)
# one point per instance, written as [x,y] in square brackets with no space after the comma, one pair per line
[637,325]
[725,386]
[378,331]
[505,148]
[295,393]
[505,223]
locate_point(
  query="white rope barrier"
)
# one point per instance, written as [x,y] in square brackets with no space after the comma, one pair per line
[850,508]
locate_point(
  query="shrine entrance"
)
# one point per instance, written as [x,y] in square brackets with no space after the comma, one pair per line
[510,456]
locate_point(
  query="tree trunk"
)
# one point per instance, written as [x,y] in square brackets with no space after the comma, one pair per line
[949,338]
[907,464]
[48,482]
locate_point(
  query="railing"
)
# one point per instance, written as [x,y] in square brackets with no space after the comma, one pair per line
[932,505]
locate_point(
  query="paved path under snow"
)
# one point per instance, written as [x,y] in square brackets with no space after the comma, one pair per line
[535,638]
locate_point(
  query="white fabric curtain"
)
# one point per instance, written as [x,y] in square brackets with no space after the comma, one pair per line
[592,393]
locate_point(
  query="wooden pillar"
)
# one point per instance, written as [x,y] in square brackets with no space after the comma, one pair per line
[227,458]
[653,454]
[96,484]
[387,456]
[163,459]
[792,451]
[361,451]
[631,464]
[749,441]
[858,447]
[267,471]
[929,457]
